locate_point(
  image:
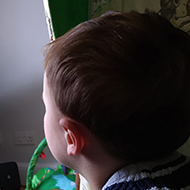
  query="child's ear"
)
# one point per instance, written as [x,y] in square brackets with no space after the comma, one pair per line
[73,136]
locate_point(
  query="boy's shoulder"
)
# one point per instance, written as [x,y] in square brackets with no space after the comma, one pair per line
[159,174]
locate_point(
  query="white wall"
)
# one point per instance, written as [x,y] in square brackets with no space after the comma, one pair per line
[23,34]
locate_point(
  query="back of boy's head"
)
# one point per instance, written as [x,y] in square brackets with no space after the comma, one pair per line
[125,76]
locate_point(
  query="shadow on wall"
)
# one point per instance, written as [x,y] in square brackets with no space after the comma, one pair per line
[21,110]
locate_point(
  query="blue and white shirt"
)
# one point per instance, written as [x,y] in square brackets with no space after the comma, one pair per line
[169,173]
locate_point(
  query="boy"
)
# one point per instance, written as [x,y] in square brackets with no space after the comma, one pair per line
[117,102]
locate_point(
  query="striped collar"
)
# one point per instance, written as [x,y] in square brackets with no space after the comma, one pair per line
[149,173]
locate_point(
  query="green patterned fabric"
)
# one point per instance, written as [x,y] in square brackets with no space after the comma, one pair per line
[47,178]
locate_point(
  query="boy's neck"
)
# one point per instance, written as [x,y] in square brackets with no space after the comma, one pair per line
[93,162]
[97,166]
[98,175]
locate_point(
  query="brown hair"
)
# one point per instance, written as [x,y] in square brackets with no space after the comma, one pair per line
[125,77]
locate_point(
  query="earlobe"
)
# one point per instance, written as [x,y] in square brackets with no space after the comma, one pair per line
[73,136]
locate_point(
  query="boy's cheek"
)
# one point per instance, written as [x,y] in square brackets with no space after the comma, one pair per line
[44,117]
[45,120]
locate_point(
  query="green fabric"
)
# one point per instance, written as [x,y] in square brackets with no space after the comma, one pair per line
[47,178]
[65,14]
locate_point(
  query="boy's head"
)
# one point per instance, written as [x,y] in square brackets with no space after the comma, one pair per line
[125,77]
